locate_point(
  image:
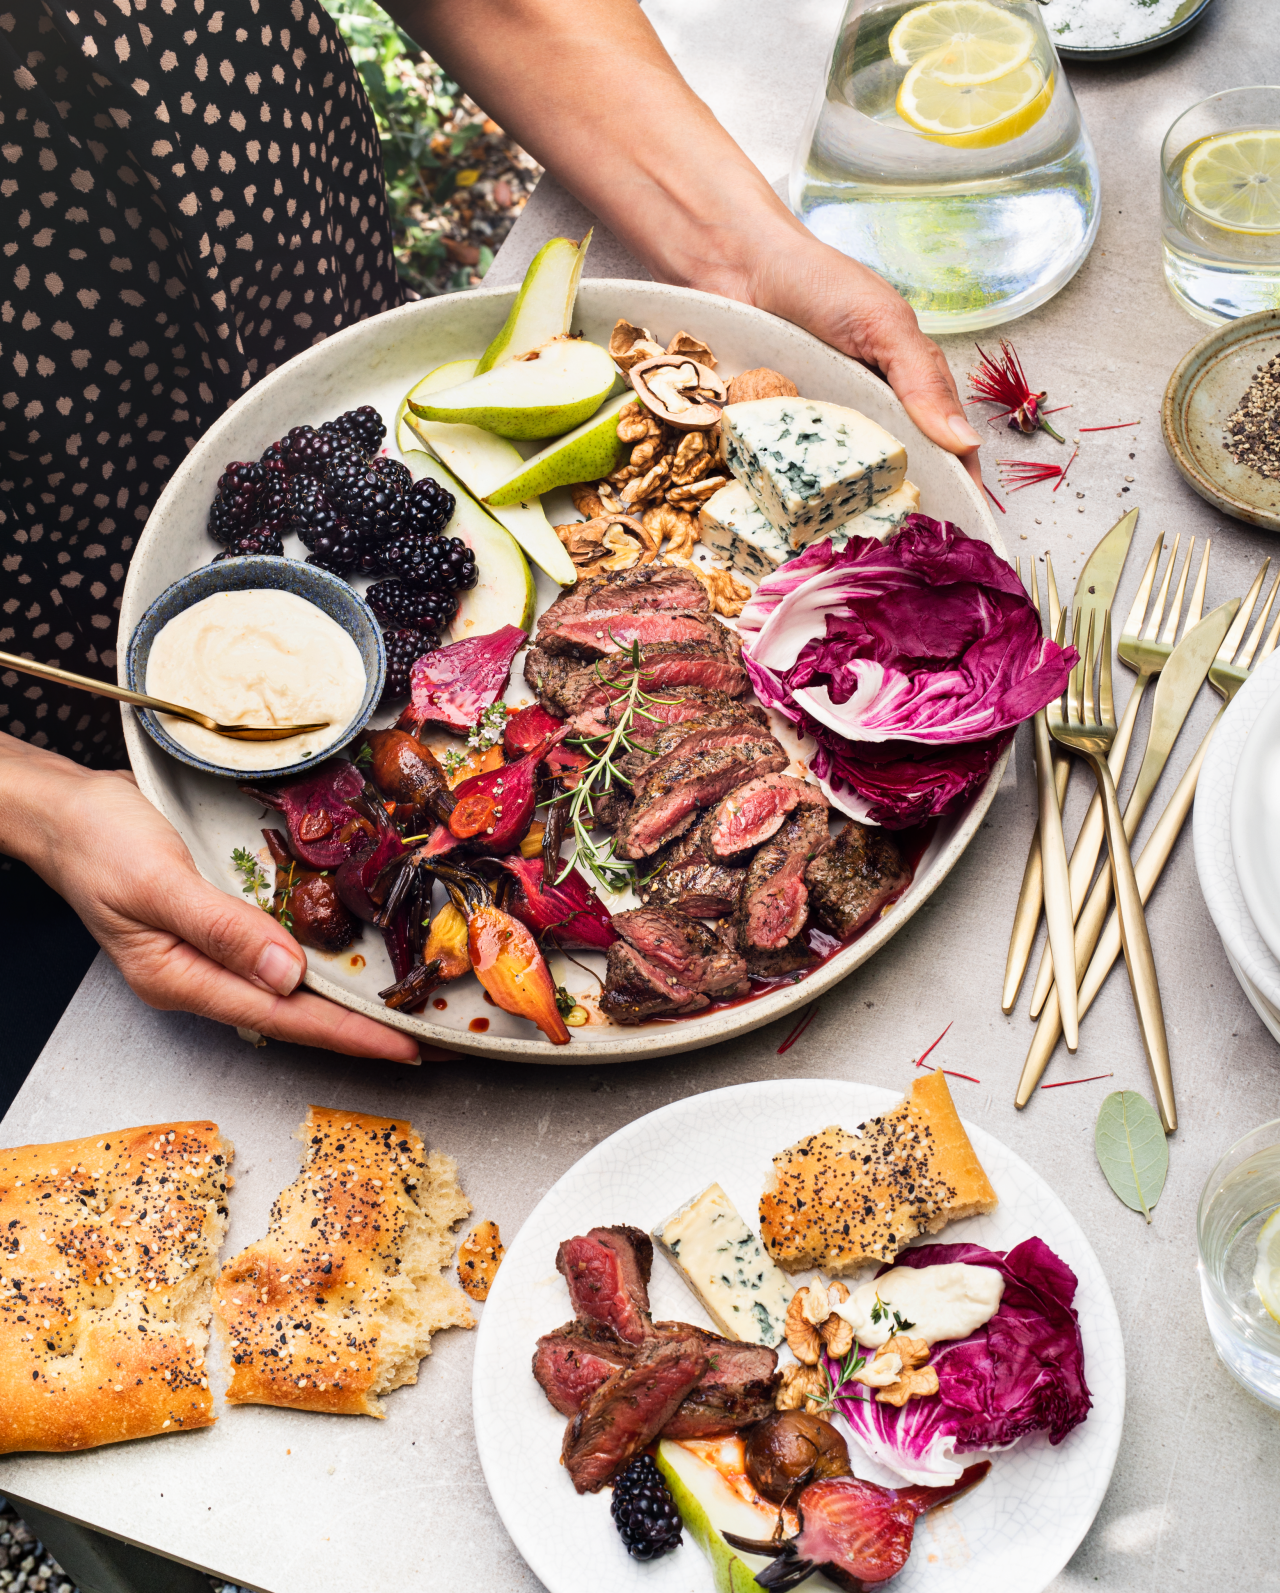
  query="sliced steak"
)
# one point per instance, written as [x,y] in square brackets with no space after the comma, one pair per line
[571,1363]
[631,1409]
[635,991]
[852,881]
[796,955]
[609,809]
[745,736]
[607,1271]
[697,889]
[735,1391]
[774,906]
[685,785]
[754,812]
[681,946]
[601,633]
[657,740]
[707,666]
[546,677]
[646,587]
[676,705]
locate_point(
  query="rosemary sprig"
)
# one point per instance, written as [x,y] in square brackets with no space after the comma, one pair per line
[835,1386]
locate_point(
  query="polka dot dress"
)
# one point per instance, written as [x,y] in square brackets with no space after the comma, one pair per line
[190,193]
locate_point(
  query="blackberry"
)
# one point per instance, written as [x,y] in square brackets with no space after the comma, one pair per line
[273,456]
[444,563]
[307,452]
[337,547]
[262,539]
[428,508]
[372,497]
[404,647]
[397,603]
[274,507]
[644,1512]
[233,509]
[308,504]
[363,426]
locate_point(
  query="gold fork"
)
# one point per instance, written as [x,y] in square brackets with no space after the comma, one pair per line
[1090,732]
[1146,647]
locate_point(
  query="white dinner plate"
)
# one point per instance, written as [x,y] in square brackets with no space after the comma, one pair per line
[1251,957]
[1013,1534]
[1255,822]
[376,362]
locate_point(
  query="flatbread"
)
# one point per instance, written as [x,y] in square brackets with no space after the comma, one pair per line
[337,1304]
[108,1250]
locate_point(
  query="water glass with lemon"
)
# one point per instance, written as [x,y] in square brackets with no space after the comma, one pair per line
[1238,1232]
[1221,190]
[946,152]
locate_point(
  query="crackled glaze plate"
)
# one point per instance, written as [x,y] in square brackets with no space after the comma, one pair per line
[376,362]
[1013,1534]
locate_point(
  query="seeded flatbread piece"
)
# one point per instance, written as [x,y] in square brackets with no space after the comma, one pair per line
[337,1304]
[108,1251]
[479,1257]
[839,1200]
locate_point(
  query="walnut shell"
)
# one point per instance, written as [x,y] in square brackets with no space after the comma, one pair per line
[802,1335]
[760,383]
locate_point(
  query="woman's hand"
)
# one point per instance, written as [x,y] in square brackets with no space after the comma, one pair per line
[181,943]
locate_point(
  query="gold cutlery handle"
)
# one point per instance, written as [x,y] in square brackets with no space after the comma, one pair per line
[103,688]
[1057,890]
[1026,917]
[1137,948]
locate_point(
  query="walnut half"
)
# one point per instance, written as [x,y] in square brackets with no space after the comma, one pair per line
[760,383]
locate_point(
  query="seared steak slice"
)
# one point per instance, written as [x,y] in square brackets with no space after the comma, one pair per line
[753,812]
[607,1271]
[546,676]
[676,705]
[697,889]
[610,808]
[851,882]
[746,736]
[681,946]
[631,1409]
[706,665]
[774,906]
[735,1391]
[598,633]
[791,958]
[571,1363]
[634,990]
[656,740]
[685,784]
[646,587]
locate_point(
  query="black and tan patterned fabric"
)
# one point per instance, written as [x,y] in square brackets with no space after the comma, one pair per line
[190,193]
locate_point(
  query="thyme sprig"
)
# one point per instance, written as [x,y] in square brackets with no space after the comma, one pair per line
[600,777]
[256,884]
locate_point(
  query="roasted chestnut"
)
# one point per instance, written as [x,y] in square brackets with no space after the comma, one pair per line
[789,1450]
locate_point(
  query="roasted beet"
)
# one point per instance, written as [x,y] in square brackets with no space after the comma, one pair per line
[454,685]
[327,819]
[790,1449]
[493,811]
[569,911]
[526,729]
[318,917]
[406,772]
[360,872]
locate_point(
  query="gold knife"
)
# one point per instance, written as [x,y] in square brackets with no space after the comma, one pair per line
[1095,592]
[1179,685]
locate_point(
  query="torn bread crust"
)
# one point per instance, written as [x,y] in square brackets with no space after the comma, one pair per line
[337,1304]
[108,1252]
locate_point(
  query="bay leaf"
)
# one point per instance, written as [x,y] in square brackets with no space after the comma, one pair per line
[1132,1149]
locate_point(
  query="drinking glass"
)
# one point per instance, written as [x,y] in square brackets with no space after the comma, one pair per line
[981,201]
[1222,238]
[1243,1191]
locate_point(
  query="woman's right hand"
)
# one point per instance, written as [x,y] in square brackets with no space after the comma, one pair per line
[181,943]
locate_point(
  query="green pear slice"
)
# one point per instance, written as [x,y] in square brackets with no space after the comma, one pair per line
[708,1507]
[544,394]
[544,304]
[504,592]
[586,453]
[482,460]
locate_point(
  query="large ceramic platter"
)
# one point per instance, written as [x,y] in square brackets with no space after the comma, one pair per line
[376,362]
[1014,1533]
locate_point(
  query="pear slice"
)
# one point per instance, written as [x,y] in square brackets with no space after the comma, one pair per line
[588,452]
[482,460]
[708,1506]
[543,394]
[504,592]
[544,304]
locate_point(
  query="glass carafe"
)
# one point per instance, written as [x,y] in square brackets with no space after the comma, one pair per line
[978,199]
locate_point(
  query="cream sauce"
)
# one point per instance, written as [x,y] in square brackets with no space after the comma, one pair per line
[943,1302]
[260,657]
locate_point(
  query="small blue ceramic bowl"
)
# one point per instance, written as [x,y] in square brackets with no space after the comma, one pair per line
[329,593]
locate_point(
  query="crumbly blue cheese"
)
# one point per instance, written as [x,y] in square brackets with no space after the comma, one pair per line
[881,520]
[735,531]
[726,1266]
[810,466]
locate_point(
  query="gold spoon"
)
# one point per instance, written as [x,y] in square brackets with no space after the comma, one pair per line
[139,699]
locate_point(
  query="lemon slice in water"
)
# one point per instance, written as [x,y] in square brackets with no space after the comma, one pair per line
[1234,179]
[976,116]
[1266,1275]
[962,41]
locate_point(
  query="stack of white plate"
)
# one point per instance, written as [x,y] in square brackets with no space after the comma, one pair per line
[1237,831]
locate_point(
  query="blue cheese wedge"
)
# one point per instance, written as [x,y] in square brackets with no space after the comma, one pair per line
[810,466]
[735,531]
[881,520]
[726,1266]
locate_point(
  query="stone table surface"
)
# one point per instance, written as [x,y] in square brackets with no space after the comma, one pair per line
[291,1503]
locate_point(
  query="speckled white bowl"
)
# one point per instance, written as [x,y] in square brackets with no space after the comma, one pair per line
[376,362]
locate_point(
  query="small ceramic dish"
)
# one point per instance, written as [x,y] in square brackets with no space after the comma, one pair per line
[328,592]
[1184,19]
[1203,392]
